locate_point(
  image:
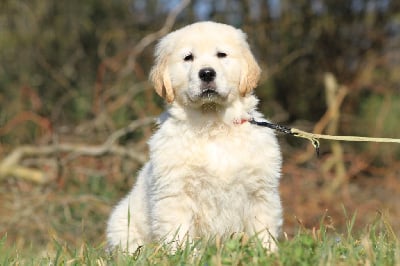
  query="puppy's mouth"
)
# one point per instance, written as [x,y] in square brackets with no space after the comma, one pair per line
[207,94]
[208,91]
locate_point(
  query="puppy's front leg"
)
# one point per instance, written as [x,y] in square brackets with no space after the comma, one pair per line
[171,221]
[266,221]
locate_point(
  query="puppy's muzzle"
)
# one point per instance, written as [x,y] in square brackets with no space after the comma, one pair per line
[208,87]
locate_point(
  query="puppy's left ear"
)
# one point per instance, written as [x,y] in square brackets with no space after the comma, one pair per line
[250,72]
[159,76]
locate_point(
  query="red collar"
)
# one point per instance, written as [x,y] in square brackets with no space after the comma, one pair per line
[240,122]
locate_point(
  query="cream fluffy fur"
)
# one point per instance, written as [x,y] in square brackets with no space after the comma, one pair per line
[209,173]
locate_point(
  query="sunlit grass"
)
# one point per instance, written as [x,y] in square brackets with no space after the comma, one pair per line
[376,245]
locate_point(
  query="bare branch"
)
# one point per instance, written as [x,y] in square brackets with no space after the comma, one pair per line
[10,164]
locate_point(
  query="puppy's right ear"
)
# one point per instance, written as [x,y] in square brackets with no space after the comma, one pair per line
[250,72]
[159,76]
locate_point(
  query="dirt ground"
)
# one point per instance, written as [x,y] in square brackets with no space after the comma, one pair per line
[366,192]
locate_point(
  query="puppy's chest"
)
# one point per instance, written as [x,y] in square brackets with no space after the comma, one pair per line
[222,181]
[222,158]
[226,158]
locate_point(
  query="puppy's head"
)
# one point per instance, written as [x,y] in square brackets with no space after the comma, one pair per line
[204,63]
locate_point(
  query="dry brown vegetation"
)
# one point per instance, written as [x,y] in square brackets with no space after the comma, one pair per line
[76,108]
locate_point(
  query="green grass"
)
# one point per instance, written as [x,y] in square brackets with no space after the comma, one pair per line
[377,245]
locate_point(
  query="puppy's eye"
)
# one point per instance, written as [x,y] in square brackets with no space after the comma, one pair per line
[221,55]
[188,57]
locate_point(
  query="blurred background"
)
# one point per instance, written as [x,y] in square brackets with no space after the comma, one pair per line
[75,103]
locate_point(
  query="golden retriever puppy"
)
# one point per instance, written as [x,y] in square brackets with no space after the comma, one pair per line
[211,172]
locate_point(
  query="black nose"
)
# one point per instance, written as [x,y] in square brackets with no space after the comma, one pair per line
[207,74]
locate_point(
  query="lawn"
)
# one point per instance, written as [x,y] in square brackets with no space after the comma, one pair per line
[377,244]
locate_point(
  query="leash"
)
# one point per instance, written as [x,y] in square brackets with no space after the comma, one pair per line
[314,138]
